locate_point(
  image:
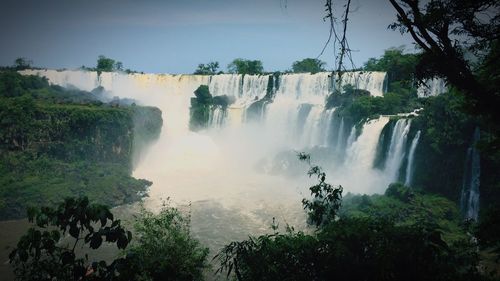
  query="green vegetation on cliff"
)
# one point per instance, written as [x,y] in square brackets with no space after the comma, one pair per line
[357,105]
[56,143]
[406,206]
[203,104]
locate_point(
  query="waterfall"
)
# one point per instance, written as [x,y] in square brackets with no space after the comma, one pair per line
[340,137]
[372,81]
[351,138]
[221,170]
[304,87]
[397,149]
[328,118]
[295,119]
[217,117]
[432,87]
[411,157]
[357,171]
[245,88]
[469,201]
[314,129]
[362,151]
[226,84]
[255,86]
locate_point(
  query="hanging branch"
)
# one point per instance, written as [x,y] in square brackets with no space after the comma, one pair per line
[344,45]
[332,31]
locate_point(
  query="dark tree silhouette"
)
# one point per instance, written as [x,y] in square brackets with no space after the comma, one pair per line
[449,33]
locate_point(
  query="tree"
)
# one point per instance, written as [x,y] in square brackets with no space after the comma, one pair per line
[105,64]
[400,67]
[22,63]
[203,94]
[308,65]
[207,69]
[164,248]
[200,108]
[324,205]
[244,66]
[448,31]
[44,254]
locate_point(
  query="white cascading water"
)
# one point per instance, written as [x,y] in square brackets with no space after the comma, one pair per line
[357,173]
[469,201]
[340,137]
[351,138]
[245,88]
[327,131]
[297,93]
[217,117]
[411,158]
[432,87]
[372,81]
[215,169]
[397,149]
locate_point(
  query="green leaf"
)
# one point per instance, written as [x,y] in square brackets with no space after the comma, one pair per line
[74,231]
[122,242]
[67,257]
[96,241]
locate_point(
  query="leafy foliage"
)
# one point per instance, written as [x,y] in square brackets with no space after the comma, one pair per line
[203,104]
[164,248]
[308,65]
[397,236]
[27,179]
[207,69]
[450,33]
[324,205]
[200,108]
[105,64]
[400,67]
[243,66]
[446,136]
[488,227]
[56,143]
[351,249]
[22,63]
[356,105]
[405,206]
[43,254]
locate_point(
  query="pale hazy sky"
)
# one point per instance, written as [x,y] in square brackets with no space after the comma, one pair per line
[175,36]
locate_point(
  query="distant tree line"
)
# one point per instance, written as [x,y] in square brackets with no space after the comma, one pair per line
[105,64]
[255,67]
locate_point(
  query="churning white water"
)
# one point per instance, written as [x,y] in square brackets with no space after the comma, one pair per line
[397,149]
[469,201]
[411,158]
[432,87]
[220,171]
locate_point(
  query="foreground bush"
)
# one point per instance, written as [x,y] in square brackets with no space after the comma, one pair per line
[164,248]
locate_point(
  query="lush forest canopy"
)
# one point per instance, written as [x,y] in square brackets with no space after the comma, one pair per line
[57,143]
